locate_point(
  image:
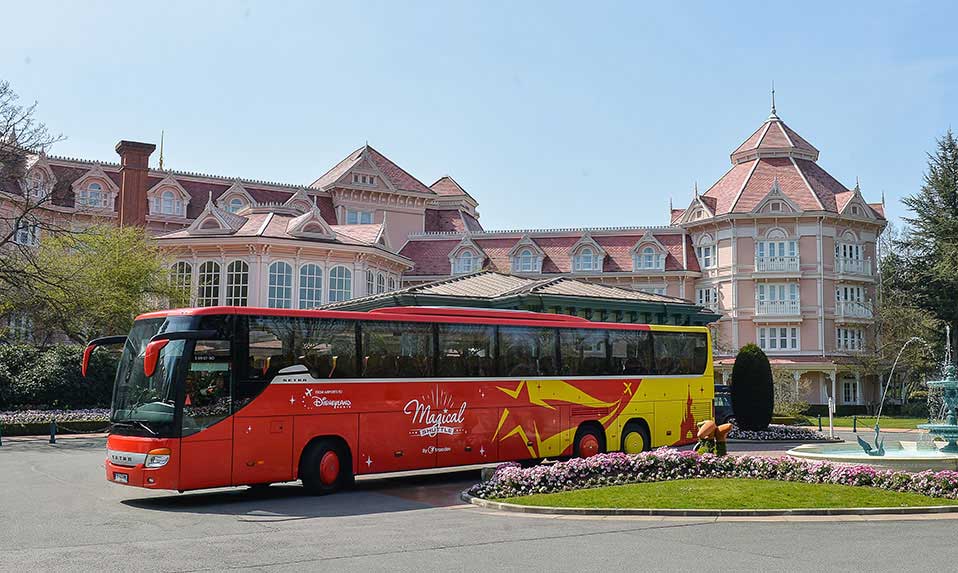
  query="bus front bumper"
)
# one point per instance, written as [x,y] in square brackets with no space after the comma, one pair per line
[142,462]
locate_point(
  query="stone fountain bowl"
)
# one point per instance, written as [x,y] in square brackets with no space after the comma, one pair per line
[899,455]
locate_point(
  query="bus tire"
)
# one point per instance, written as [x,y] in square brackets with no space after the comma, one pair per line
[325,467]
[635,438]
[589,441]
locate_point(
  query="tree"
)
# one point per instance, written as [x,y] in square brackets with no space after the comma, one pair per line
[23,204]
[97,281]
[752,392]
[927,268]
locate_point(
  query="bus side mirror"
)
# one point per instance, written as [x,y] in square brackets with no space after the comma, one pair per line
[152,355]
[87,352]
[93,345]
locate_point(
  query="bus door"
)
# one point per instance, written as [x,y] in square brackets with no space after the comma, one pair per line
[207,428]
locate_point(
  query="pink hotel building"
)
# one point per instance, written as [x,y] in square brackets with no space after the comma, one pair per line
[783,251]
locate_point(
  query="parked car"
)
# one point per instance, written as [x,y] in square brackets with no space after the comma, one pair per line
[723,404]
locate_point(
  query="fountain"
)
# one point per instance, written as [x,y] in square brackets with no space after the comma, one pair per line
[899,454]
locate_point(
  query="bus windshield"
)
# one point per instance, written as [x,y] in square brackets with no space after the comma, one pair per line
[144,403]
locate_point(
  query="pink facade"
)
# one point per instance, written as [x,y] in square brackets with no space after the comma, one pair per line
[777,246]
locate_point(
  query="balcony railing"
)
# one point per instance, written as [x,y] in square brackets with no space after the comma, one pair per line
[776,264]
[849,266]
[853,309]
[777,308]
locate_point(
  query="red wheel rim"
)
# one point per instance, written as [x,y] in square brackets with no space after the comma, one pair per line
[329,468]
[588,446]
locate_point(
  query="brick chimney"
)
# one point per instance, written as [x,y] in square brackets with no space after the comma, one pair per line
[134,170]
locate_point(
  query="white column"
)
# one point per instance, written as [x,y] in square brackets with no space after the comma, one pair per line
[858,388]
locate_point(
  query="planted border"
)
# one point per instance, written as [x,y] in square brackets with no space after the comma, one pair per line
[37,422]
[511,480]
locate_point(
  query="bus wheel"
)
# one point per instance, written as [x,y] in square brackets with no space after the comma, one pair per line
[588,442]
[635,438]
[325,467]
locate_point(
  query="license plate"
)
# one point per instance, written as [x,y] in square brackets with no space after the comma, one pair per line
[121,478]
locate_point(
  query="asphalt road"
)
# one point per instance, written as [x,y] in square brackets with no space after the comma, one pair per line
[58,513]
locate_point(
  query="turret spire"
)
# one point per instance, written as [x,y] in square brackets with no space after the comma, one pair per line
[161,149]
[773,114]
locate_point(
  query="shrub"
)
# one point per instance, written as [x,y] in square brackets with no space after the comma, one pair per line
[51,378]
[752,392]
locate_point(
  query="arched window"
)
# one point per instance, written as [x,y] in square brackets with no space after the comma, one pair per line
[166,202]
[235,204]
[181,278]
[392,284]
[648,258]
[705,252]
[526,261]
[280,285]
[37,183]
[465,263]
[380,284]
[208,284]
[340,284]
[94,196]
[237,284]
[370,283]
[585,260]
[310,286]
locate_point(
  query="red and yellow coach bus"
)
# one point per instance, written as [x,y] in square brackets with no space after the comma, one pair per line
[228,396]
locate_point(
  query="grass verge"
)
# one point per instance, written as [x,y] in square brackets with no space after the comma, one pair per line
[866,423]
[729,494]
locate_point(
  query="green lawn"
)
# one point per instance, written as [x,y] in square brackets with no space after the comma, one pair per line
[887,422]
[729,494]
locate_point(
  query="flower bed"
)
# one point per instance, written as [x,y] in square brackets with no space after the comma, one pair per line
[778,432]
[33,422]
[511,480]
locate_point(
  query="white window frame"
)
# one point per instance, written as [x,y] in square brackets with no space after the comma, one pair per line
[706,255]
[771,338]
[237,283]
[181,277]
[235,204]
[525,261]
[359,217]
[27,234]
[339,284]
[649,258]
[380,283]
[279,285]
[849,339]
[707,297]
[209,293]
[465,262]
[310,285]
[581,264]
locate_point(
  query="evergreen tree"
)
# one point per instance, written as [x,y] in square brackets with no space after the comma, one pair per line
[927,267]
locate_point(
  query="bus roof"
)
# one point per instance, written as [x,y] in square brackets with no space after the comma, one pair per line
[454,315]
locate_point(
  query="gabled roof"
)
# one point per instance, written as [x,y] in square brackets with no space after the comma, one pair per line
[393,175]
[447,186]
[490,286]
[215,221]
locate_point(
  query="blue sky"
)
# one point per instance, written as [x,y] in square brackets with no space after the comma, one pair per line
[552,114]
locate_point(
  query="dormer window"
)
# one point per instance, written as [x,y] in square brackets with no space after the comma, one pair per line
[36,183]
[360,179]
[168,203]
[357,217]
[586,260]
[525,262]
[235,204]
[856,210]
[93,196]
[649,258]
[466,262]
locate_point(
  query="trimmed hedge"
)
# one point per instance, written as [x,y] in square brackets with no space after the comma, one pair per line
[50,378]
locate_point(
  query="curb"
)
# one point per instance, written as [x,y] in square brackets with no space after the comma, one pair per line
[596,511]
[835,441]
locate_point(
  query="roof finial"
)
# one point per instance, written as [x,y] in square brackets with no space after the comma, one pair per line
[857,187]
[882,197]
[209,200]
[695,188]
[161,149]
[670,206]
[772,114]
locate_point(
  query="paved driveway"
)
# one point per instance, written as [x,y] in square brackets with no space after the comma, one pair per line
[58,513]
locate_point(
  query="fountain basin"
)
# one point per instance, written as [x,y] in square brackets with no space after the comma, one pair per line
[899,455]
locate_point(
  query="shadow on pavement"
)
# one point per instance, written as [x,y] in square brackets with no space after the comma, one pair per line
[287,502]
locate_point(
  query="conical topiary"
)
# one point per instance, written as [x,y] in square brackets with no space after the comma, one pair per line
[752,393]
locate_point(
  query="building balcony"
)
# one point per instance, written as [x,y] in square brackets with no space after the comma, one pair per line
[776,264]
[853,310]
[777,308]
[849,266]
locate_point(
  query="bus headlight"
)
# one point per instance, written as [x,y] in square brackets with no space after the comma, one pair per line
[157,458]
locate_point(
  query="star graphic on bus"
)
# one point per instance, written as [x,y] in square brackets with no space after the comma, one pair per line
[369,461]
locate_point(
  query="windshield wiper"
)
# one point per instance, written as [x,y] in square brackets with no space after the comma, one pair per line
[135,423]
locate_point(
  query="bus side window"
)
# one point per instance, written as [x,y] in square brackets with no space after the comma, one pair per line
[327,348]
[527,351]
[208,381]
[466,350]
[270,346]
[680,353]
[396,349]
[631,352]
[583,352]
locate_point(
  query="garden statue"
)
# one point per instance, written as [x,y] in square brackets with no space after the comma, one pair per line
[712,438]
